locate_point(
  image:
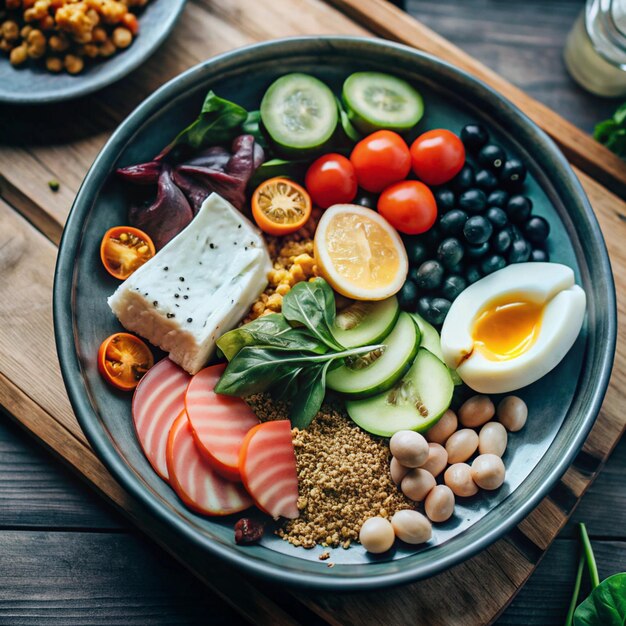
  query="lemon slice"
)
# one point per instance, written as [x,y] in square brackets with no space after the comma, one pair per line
[359,253]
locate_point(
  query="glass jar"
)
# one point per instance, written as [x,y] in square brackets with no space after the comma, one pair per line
[595,51]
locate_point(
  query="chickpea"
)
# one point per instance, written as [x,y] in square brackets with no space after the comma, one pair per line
[409,447]
[492,439]
[417,484]
[512,413]
[54,64]
[437,459]
[476,411]
[411,526]
[19,55]
[122,37]
[58,43]
[73,64]
[376,535]
[283,289]
[461,445]
[107,48]
[99,35]
[446,425]
[6,46]
[275,302]
[488,471]
[10,30]
[398,471]
[439,505]
[459,478]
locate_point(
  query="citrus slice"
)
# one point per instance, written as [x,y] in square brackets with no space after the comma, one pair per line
[359,253]
[280,206]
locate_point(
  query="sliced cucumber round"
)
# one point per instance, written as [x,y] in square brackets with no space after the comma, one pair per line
[376,100]
[299,112]
[416,402]
[366,323]
[378,371]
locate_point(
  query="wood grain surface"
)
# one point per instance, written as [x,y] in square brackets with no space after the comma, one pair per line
[48,519]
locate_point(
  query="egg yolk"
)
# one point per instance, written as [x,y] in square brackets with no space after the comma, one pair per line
[506,330]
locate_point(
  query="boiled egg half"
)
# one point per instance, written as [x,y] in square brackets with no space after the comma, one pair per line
[512,327]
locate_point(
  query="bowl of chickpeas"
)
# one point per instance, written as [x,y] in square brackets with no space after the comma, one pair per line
[54,50]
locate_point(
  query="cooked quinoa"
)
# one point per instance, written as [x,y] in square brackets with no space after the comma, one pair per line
[343,477]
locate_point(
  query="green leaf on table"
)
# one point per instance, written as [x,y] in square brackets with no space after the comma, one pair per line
[612,132]
[606,604]
[310,396]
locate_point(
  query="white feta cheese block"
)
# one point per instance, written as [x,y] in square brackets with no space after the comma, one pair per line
[199,286]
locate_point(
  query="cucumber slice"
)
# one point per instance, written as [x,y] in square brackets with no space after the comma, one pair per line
[376,100]
[299,112]
[388,365]
[432,342]
[416,402]
[366,323]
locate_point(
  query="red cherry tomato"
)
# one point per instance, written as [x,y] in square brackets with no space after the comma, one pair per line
[409,206]
[437,156]
[331,180]
[381,159]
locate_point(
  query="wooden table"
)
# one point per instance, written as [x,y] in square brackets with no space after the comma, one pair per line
[65,556]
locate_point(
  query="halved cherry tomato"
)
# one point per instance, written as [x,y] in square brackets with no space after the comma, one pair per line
[331,180]
[381,159]
[125,249]
[123,359]
[280,206]
[409,206]
[437,156]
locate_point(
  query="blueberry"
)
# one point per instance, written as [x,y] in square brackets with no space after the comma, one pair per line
[452,222]
[501,242]
[474,137]
[431,238]
[423,305]
[464,179]
[492,263]
[492,157]
[445,199]
[487,180]
[407,296]
[519,251]
[472,273]
[453,285]
[450,252]
[498,198]
[437,311]
[518,208]
[477,229]
[416,251]
[473,201]
[430,275]
[539,255]
[475,252]
[536,229]
[368,200]
[497,217]
[513,173]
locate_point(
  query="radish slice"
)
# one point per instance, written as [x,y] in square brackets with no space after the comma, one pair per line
[195,481]
[268,468]
[219,423]
[157,402]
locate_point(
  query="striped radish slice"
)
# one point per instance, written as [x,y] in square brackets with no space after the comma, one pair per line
[197,484]
[219,423]
[268,468]
[157,402]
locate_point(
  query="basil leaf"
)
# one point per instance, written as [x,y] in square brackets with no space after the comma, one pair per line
[286,387]
[270,331]
[308,402]
[612,132]
[605,605]
[312,303]
[252,126]
[348,128]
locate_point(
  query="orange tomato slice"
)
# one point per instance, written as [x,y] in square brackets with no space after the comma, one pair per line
[124,249]
[280,206]
[123,359]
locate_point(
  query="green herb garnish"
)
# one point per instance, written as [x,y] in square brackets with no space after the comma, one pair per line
[612,132]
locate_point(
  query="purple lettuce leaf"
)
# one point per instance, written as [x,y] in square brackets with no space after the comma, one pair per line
[142,173]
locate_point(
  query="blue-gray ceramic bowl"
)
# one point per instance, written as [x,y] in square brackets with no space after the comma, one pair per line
[563,405]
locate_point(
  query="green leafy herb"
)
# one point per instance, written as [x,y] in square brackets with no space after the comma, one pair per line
[308,402]
[312,303]
[279,167]
[252,126]
[612,132]
[348,128]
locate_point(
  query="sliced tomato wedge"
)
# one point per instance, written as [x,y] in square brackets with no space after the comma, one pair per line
[280,206]
[124,249]
[196,483]
[219,423]
[123,359]
[267,463]
[158,401]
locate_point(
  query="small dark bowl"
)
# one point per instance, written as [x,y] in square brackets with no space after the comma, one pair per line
[563,405]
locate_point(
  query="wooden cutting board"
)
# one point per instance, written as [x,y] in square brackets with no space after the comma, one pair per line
[60,142]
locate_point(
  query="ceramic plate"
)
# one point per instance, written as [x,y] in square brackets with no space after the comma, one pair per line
[563,405]
[35,85]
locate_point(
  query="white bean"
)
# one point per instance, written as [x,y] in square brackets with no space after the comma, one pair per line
[439,505]
[409,447]
[397,470]
[461,445]
[446,425]
[459,478]
[476,411]
[488,471]
[417,483]
[512,413]
[377,535]
[492,439]
[411,526]
[437,459]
